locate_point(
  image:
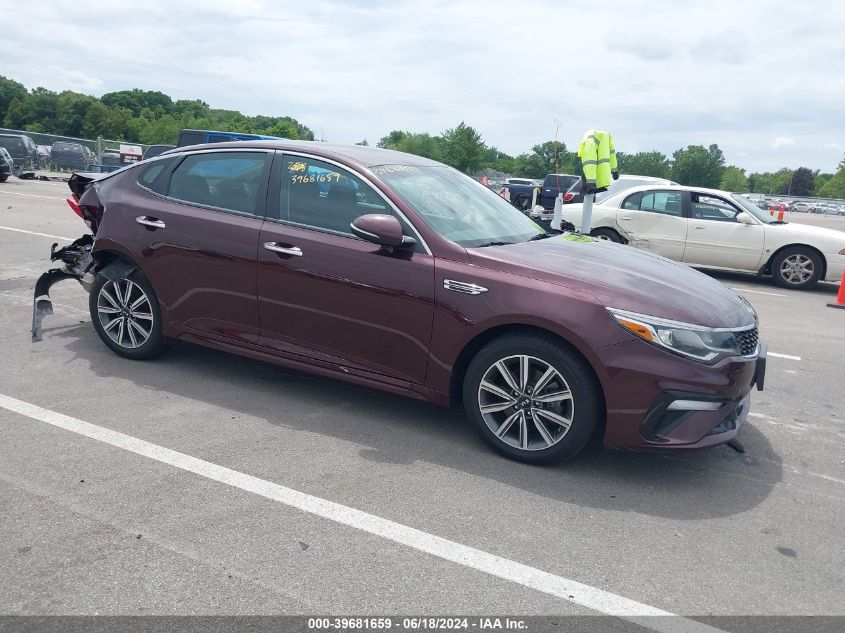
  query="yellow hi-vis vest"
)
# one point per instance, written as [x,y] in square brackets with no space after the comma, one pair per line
[598,158]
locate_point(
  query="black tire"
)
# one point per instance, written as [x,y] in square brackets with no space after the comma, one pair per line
[574,376]
[787,268]
[607,234]
[155,343]
[4,177]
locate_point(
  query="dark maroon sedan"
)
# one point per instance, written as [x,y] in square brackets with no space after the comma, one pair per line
[396,272]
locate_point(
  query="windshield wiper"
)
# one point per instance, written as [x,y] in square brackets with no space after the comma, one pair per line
[540,236]
[492,244]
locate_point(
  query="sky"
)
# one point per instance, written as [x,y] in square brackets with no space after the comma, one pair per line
[764,80]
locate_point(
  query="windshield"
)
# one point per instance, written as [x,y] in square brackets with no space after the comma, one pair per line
[457,207]
[753,209]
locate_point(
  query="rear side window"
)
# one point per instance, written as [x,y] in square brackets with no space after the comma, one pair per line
[225,180]
[190,138]
[564,182]
[665,202]
[632,202]
[152,176]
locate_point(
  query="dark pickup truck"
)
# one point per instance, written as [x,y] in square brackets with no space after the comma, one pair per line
[553,184]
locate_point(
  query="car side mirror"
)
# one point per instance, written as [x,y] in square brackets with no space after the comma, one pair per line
[381,229]
[745,218]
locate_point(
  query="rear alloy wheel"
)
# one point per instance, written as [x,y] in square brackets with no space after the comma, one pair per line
[796,267]
[531,398]
[607,235]
[126,316]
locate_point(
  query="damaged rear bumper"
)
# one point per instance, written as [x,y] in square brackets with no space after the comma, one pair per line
[77,262]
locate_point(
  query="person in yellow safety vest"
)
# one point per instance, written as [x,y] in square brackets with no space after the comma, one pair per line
[598,161]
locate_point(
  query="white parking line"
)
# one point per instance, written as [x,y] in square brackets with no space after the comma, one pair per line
[57,237]
[759,292]
[558,586]
[30,195]
[786,356]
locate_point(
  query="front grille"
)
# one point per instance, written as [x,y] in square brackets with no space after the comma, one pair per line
[748,340]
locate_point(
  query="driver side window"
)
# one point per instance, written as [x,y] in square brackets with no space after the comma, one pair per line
[324,196]
[712,208]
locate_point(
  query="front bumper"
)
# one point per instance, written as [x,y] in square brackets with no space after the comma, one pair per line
[658,401]
[835,267]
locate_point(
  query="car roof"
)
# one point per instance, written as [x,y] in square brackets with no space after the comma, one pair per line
[646,178]
[661,182]
[363,154]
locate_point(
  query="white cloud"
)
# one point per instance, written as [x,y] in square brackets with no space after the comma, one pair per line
[659,74]
[782,141]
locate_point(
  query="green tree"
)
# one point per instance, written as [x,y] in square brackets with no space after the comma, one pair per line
[654,164]
[419,143]
[820,180]
[835,187]
[9,91]
[392,139]
[499,161]
[733,179]
[698,166]
[72,108]
[15,114]
[136,100]
[769,182]
[801,183]
[463,148]
[546,158]
[283,129]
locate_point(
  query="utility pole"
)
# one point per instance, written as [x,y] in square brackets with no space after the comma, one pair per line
[558,123]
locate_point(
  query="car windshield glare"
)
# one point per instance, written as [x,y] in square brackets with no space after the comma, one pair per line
[457,207]
[753,209]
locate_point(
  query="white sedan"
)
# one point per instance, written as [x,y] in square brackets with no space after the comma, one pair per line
[708,228]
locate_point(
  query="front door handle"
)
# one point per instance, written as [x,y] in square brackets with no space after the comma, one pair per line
[285,250]
[151,222]
[627,219]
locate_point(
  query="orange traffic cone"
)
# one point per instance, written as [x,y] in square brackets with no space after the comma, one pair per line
[780,215]
[840,298]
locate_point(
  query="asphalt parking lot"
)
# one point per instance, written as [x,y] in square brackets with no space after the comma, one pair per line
[109,525]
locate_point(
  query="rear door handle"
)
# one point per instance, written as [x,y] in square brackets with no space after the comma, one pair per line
[697,226]
[151,222]
[285,250]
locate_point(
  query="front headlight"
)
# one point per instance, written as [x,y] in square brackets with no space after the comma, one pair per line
[700,343]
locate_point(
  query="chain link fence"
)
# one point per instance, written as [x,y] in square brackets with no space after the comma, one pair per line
[50,154]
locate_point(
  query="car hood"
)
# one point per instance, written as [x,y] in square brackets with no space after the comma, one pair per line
[814,235]
[622,277]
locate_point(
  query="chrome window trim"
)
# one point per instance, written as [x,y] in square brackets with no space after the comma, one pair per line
[285,153]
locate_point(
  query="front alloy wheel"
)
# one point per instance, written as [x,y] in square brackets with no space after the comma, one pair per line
[797,267]
[532,397]
[526,403]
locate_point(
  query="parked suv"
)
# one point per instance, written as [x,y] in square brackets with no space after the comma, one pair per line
[396,272]
[71,156]
[7,165]
[22,150]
